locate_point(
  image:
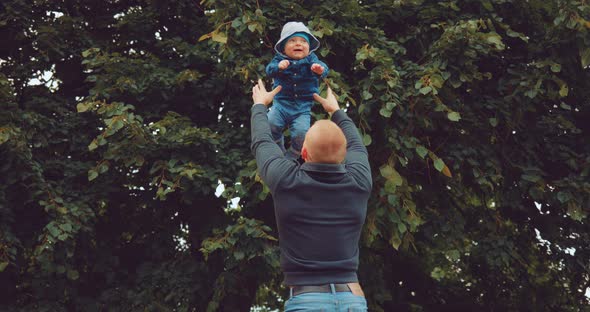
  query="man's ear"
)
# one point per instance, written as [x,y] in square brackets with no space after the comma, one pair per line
[304,153]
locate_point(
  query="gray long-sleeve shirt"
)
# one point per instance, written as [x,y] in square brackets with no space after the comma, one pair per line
[319,208]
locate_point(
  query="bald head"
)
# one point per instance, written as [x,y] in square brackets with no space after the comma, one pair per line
[324,143]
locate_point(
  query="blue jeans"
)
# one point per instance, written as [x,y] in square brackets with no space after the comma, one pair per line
[326,302]
[286,114]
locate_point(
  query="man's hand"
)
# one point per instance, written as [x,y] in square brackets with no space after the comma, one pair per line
[330,104]
[283,64]
[317,68]
[261,96]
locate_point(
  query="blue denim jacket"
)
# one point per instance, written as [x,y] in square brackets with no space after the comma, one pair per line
[298,81]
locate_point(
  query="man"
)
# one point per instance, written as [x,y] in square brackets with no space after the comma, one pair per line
[320,205]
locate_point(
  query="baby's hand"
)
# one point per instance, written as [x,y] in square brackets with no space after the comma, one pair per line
[283,64]
[317,68]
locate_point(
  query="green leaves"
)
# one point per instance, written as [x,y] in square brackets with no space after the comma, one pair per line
[576,212]
[493,122]
[169,175]
[90,52]
[93,145]
[188,76]
[515,34]
[385,113]
[53,230]
[495,39]
[439,164]
[3,266]
[367,139]
[366,52]
[82,107]
[454,116]
[531,178]
[66,227]
[7,133]
[244,240]
[389,173]
[425,90]
[219,37]
[438,274]
[387,109]
[73,275]
[61,230]
[395,241]
[422,151]
[216,35]
[563,90]
[585,57]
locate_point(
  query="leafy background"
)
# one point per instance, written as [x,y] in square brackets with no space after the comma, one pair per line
[120,119]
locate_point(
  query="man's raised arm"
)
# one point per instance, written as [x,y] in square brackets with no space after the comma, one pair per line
[269,157]
[357,157]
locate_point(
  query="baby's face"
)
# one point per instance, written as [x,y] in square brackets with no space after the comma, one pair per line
[297,48]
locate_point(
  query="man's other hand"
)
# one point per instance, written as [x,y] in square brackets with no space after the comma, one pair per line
[261,96]
[330,104]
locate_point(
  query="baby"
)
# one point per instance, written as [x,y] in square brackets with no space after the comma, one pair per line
[298,70]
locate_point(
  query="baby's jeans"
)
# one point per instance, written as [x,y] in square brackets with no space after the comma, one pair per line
[295,115]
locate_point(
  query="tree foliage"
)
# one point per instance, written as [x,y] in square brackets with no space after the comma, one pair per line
[120,119]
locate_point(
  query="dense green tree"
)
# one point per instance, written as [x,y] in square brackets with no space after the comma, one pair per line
[120,119]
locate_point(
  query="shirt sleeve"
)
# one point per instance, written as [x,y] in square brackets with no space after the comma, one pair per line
[357,157]
[272,164]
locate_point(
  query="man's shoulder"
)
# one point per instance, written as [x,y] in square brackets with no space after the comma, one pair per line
[284,173]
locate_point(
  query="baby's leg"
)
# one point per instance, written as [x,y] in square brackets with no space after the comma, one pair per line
[277,125]
[298,128]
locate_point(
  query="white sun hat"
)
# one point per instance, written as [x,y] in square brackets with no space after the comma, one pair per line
[296,27]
